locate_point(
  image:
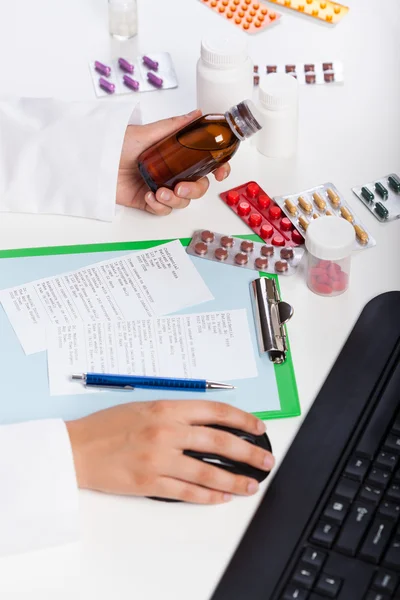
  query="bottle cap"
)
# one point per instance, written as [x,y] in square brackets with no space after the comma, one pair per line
[223,53]
[330,238]
[243,119]
[278,91]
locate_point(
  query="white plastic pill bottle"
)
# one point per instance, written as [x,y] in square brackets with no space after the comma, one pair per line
[330,243]
[224,74]
[278,104]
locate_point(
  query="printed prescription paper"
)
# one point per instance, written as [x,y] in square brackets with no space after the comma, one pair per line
[214,345]
[140,285]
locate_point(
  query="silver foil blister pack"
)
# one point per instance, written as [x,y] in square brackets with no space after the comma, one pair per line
[144,73]
[381,197]
[245,254]
[319,201]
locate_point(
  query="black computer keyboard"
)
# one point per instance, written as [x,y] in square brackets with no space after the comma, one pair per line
[329,524]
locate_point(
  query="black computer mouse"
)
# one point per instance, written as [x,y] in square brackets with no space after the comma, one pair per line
[233,466]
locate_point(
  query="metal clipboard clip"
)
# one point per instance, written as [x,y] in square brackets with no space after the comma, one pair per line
[270,314]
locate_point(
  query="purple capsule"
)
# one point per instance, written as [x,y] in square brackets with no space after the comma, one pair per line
[131,83]
[157,81]
[102,69]
[152,64]
[125,65]
[106,85]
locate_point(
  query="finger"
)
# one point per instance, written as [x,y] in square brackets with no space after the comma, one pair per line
[206,412]
[192,190]
[176,489]
[154,132]
[155,207]
[222,172]
[165,196]
[215,441]
[212,477]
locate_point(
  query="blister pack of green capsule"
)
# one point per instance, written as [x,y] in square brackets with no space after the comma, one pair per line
[381,197]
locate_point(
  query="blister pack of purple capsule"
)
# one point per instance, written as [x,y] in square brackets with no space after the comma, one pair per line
[145,73]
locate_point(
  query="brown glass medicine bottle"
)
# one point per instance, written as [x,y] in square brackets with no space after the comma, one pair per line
[198,148]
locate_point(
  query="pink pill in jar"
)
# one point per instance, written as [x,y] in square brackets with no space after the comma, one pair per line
[330,245]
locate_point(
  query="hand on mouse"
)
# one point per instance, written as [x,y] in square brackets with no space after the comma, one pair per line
[137,449]
[132,190]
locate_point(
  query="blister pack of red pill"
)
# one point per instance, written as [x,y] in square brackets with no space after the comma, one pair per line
[125,76]
[246,254]
[262,215]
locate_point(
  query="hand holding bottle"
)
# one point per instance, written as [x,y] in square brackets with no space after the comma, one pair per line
[132,190]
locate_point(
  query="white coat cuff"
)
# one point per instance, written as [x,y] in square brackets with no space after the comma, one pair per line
[39,494]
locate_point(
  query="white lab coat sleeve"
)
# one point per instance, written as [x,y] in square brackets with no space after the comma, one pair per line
[61,157]
[38,489]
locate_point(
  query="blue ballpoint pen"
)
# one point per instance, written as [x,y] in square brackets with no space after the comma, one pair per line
[130,382]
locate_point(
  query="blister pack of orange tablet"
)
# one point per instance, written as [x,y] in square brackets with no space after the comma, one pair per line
[330,12]
[250,16]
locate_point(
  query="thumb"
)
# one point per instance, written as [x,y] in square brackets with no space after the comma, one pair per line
[153,132]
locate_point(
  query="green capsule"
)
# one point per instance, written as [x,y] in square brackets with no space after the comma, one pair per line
[394,183]
[381,210]
[367,194]
[381,190]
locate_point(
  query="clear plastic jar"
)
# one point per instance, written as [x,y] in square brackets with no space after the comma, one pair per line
[122,18]
[330,243]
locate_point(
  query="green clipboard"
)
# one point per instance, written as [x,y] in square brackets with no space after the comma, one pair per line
[284,373]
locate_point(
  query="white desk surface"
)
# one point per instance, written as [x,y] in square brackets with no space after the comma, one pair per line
[349,134]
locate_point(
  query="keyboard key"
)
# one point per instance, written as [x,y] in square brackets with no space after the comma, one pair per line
[304,576]
[314,558]
[336,510]
[357,468]
[391,510]
[355,527]
[328,585]
[392,442]
[387,460]
[371,494]
[392,556]
[393,492]
[378,476]
[347,488]
[385,582]
[324,534]
[376,596]
[397,475]
[293,592]
[377,540]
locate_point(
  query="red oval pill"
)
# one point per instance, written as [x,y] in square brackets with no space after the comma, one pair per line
[261,263]
[244,209]
[201,248]
[286,224]
[267,251]
[275,212]
[207,236]
[278,240]
[252,190]
[323,288]
[297,237]
[263,201]
[255,220]
[221,254]
[266,231]
[232,198]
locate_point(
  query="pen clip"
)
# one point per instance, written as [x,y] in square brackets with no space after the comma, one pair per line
[270,314]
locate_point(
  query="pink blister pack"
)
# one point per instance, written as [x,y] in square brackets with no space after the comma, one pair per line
[262,215]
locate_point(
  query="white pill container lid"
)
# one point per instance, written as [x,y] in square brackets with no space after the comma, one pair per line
[278,91]
[223,53]
[330,238]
